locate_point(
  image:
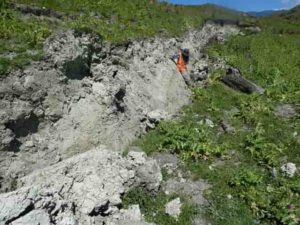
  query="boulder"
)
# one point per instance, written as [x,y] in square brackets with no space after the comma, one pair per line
[92,183]
[226,127]
[192,189]
[173,208]
[286,111]
[289,169]
[149,175]
[253,29]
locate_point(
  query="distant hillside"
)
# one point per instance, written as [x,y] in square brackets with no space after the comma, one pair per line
[292,14]
[211,11]
[265,13]
[286,22]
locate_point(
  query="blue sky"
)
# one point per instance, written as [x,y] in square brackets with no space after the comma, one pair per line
[245,5]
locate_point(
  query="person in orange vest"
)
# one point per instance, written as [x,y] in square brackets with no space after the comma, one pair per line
[181,60]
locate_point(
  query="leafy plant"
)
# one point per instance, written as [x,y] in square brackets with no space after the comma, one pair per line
[189,141]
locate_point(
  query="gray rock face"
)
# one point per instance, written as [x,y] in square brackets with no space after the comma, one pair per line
[36,217]
[200,71]
[15,204]
[86,93]
[289,169]
[84,189]
[234,79]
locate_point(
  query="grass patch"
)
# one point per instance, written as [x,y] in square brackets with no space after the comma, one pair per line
[112,20]
[20,39]
[245,187]
[153,207]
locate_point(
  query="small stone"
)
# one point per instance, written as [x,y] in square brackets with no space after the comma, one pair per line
[229,196]
[169,171]
[138,157]
[29,144]
[182,180]
[209,123]
[274,173]
[173,208]
[227,127]
[39,112]
[157,115]
[289,169]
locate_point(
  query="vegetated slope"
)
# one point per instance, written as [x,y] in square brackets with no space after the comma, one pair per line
[287,22]
[250,137]
[293,14]
[264,13]
[21,35]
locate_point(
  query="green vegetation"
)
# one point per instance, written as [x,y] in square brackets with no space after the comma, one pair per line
[243,189]
[20,39]
[248,187]
[115,20]
[21,35]
[153,207]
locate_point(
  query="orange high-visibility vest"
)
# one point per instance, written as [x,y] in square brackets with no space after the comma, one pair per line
[181,64]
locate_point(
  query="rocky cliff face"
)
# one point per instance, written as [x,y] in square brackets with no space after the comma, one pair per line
[82,95]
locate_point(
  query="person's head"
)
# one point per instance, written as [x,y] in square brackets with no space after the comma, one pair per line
[185,54]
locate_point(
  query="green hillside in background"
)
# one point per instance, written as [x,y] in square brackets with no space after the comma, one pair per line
[287,22]
[116,21]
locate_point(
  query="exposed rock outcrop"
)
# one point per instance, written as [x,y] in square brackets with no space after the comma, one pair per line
[87,94]
[86,189]
[52,111]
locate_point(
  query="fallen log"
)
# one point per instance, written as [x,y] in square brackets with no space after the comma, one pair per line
[235,80]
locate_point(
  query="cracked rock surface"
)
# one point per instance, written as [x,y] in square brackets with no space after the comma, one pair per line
[85,189]
[87,93]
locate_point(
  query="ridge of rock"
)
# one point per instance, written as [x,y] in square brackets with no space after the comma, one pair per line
[51,111]
[86,188]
